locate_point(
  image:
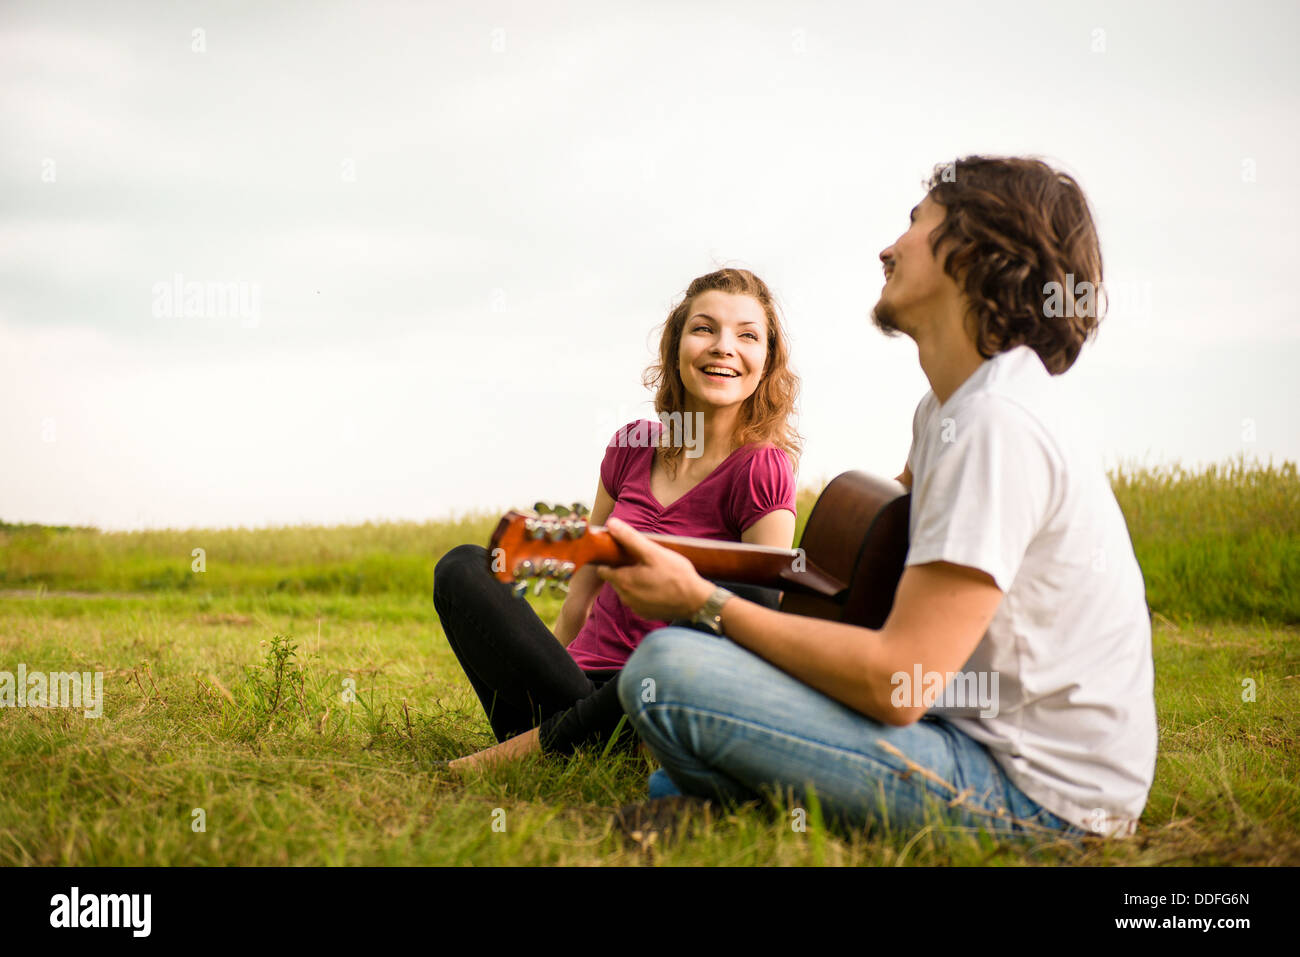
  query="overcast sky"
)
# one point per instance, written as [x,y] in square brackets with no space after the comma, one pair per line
[453,228]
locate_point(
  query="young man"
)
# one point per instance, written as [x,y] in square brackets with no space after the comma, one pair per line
[1020,578]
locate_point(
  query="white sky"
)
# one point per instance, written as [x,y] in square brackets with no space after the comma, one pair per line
[464,220]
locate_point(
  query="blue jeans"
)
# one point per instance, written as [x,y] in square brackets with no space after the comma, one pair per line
[727,725]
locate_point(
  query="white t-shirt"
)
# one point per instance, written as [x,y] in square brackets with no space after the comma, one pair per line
[1003,481]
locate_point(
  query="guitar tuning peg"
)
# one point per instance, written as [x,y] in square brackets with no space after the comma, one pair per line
[562,511]
[580,510]
[577,528]
[520,589]
[541,508]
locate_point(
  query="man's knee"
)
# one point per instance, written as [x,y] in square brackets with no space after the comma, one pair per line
[677,662]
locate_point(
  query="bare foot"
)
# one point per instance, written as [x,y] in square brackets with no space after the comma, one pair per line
[508,750]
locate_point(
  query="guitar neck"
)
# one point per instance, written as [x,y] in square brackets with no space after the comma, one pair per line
[781,568]
[751,564]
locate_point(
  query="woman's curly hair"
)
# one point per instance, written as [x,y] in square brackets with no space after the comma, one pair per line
[765,415]
[1022,245]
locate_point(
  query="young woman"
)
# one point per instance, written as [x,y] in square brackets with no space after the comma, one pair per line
[724,363]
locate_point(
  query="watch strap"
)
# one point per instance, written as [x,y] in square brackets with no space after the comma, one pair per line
[710,613]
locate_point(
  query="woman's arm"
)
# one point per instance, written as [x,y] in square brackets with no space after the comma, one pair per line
[585,583]
[775,530]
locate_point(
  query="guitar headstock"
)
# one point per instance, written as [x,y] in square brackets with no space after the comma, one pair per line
[544,543]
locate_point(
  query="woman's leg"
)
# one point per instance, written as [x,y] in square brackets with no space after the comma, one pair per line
[592,720]
[726,724]
[520,673]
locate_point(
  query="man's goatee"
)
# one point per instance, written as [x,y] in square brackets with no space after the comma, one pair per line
[885,318]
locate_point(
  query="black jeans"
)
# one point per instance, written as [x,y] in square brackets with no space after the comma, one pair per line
[521,674]
[524,677]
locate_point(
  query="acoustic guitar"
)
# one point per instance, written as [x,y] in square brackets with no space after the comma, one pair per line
[846,568]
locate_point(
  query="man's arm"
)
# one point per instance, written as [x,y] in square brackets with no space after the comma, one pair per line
[940,613]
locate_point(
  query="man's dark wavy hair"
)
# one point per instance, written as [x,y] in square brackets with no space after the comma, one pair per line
[1012,226]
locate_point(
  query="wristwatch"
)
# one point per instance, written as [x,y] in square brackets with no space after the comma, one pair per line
[710,614]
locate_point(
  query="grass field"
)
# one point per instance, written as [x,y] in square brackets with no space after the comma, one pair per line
[223,693]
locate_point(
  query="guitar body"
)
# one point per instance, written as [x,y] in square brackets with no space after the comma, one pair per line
[857,533]
[846,569]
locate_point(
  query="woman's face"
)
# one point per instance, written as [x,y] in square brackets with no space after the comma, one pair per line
[723,348]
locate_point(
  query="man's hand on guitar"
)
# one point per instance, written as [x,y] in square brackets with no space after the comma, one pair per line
[662,585]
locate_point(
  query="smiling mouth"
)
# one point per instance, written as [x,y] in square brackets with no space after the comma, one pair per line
[720,372]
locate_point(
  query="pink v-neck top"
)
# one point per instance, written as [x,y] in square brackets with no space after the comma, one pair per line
[753,481]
